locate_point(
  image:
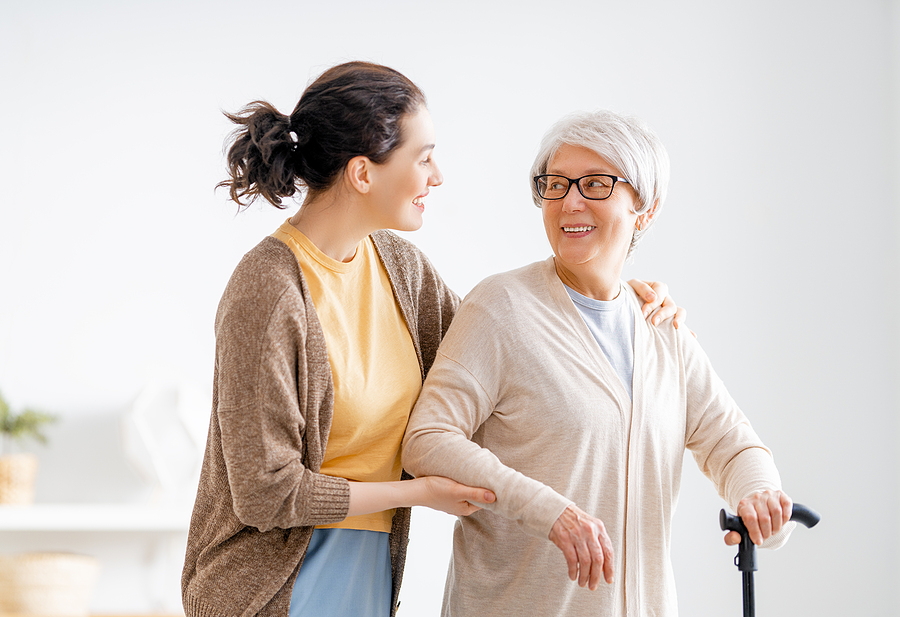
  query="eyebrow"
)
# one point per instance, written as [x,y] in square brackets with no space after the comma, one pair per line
[427,147]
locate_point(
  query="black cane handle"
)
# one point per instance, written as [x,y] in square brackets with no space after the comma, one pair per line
[746,557]
[799,513]
[805,516]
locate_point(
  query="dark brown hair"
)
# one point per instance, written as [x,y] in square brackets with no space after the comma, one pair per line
[352,109]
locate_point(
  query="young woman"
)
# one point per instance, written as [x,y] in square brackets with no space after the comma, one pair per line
[324,336]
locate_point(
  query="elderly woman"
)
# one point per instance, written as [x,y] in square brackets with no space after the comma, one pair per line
[550,390]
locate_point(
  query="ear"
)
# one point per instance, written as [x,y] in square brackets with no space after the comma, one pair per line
[359,173]
[643,220]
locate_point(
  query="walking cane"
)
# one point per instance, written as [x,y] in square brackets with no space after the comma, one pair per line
[746,557]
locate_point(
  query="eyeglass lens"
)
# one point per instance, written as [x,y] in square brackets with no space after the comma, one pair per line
[592,187]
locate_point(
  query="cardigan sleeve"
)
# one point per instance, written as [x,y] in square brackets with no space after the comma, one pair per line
[270,391]
[724,445]
[437,305]
[459,396]
[427,303]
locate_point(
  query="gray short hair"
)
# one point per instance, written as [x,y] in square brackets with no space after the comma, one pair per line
[624,141]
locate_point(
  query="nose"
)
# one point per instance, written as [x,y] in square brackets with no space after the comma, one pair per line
[436,178]
[573,201]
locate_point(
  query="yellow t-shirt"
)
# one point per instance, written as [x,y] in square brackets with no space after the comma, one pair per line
[373,364]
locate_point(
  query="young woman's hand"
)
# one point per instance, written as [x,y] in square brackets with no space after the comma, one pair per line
[655,295]
[586,546]
[433,491]
[452,497]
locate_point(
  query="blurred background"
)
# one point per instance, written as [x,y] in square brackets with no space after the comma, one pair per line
[780,236]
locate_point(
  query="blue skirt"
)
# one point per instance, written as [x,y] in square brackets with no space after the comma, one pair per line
[345,572]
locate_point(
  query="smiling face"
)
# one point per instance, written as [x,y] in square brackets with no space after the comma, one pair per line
[399,186]
[590,238]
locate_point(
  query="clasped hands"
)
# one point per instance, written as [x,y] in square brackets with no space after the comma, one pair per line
[588,550]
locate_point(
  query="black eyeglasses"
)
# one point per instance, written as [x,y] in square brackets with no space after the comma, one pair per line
[593,186]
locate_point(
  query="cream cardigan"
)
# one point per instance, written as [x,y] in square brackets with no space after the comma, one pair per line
[522,400]
[260,492]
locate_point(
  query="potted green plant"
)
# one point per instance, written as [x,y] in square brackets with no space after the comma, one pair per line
[19,470]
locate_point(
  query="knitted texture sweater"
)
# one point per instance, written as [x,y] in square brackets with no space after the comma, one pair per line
[260,492]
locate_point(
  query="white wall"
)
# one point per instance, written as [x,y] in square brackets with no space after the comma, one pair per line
[779,234]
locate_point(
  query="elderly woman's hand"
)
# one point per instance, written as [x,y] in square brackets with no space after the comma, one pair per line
[655,294]
[586,546]
[763,515]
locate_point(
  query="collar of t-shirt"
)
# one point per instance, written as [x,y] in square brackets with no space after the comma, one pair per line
[611,323]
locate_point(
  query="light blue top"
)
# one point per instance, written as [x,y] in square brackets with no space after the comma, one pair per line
[612,324]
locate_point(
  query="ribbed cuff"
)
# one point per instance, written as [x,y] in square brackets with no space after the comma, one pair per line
[330,500]
[195,607]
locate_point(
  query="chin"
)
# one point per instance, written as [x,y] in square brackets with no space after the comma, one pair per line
[576,258]
[411,225]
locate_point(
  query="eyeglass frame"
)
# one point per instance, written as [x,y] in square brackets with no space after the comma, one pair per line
[577,182]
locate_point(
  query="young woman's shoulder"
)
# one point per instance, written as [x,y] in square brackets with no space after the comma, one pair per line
[268,276]
[407,264]
[398,251]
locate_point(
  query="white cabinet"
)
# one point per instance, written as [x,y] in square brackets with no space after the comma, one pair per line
[140,548]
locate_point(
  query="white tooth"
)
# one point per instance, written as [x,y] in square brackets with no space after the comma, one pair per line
[577,229]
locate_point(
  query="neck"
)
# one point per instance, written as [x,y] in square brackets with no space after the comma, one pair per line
[332,222]
[590,281]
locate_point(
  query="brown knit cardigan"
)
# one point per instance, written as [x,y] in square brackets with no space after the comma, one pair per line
[260,492]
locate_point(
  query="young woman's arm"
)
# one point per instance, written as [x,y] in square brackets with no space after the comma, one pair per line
[432,491]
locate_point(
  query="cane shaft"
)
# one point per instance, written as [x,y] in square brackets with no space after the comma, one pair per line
[749,603]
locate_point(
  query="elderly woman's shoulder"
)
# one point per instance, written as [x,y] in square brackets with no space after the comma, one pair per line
[665,330]
[512,285]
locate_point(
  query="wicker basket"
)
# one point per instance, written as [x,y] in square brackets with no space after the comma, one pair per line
[17,476]
[57,584]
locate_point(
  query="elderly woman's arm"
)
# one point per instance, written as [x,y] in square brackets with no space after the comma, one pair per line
[729,452]
[450,409]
